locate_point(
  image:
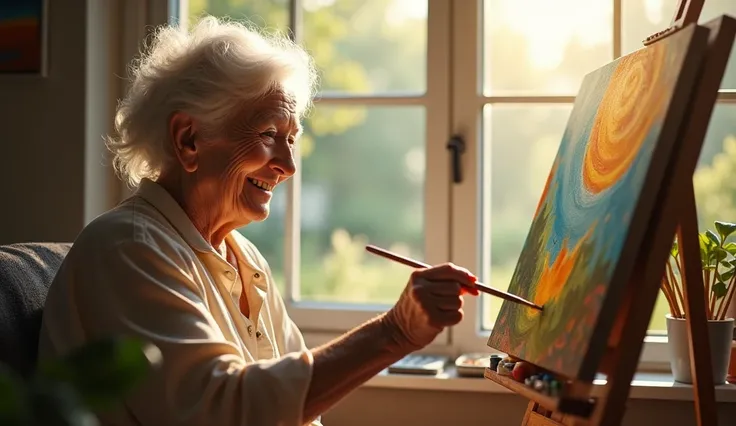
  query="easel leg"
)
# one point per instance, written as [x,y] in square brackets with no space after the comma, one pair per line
[537,415]
[695,314]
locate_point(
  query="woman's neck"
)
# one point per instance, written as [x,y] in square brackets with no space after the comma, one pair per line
[202,209]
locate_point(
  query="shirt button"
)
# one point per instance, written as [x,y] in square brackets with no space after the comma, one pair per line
[256,275]
[229,274]
[250,330]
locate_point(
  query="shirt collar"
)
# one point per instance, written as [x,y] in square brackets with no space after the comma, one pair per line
[167,205]
[155,194]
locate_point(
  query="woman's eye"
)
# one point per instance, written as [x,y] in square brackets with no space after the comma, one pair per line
[269,134]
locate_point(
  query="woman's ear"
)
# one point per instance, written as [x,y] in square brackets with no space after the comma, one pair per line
[182,135]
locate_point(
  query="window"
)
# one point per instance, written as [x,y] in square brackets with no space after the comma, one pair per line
[371,156]
[398,77]
[532,56]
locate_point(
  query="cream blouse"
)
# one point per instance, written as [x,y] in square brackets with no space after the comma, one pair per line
[143,269]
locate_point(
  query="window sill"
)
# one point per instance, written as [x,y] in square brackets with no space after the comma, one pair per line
[655,386]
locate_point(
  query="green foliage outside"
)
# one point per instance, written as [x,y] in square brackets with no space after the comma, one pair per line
[68,391]
[362,171]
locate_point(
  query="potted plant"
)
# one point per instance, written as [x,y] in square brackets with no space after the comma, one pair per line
[718,265]
[68,391]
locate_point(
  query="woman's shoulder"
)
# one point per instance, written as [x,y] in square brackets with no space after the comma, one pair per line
[131,224]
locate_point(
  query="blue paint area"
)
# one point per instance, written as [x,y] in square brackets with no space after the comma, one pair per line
[575,212]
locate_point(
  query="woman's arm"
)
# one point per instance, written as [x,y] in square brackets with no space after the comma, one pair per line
[348,362]
[431,301]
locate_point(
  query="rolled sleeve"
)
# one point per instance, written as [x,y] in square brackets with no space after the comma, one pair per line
[156,293]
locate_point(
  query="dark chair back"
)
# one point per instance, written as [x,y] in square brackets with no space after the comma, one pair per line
[26,272]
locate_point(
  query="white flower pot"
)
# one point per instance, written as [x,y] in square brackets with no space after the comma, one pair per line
[720,334]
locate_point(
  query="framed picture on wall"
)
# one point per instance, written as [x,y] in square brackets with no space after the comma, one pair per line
[23,37]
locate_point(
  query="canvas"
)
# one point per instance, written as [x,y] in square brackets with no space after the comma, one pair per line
[592,213]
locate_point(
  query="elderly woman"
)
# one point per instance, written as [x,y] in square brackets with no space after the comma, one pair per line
[206,133]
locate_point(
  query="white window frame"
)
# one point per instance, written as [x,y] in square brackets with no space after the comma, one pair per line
[322,320]
[466,229]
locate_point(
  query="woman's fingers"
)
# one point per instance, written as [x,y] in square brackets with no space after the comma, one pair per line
[446,272]
[443,303]
[445,318]
[447,279]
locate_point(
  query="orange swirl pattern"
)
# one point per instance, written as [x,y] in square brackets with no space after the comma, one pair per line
[625,117]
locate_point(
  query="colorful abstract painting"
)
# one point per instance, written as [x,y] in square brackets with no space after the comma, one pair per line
[574,260]
[21,36]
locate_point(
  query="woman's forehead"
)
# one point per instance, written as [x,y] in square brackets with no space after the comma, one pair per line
[278,98]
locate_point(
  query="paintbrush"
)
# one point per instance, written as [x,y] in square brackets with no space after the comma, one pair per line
[480,286]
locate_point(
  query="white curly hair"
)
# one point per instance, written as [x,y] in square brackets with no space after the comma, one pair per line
[208,72]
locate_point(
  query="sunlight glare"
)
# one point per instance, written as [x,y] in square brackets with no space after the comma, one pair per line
[541,157]
[549,26]
[653,10]
[415,162]
[400,11]
[314,5]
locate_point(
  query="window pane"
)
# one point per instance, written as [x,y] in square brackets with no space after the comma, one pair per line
[543,47]
[521,143]
[271,15]
[368,47]
[642,18]
[268,236]
[363,182]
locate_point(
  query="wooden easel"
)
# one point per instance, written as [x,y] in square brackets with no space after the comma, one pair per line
[674,211]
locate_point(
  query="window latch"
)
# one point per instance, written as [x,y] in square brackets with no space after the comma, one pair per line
[457,146]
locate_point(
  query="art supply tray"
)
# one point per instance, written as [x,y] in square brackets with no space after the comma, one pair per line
[472,364]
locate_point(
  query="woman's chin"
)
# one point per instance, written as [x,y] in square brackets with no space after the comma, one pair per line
[257,213]
[256,204]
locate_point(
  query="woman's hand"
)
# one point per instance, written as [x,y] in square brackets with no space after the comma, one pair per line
[431,301]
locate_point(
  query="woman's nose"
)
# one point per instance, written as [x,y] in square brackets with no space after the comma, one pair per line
[284,164]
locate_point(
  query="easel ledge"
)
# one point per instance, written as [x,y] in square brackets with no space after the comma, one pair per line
[564,403]
[674,211]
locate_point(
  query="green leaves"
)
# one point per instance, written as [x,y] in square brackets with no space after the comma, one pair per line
[66,391]
[12,406]
[725,229]
[58,404]
[713,247]
[718,264]
[102,371]
[719,289]
[705,247]
[713,237]
[731,248]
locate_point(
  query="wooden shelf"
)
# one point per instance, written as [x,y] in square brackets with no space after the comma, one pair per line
[575,407]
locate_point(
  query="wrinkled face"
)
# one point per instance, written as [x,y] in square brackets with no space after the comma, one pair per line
[255,154]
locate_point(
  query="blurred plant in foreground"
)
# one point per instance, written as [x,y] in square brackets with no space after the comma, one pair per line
[68,391]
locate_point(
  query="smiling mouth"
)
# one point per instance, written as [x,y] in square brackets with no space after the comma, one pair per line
[261,184]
